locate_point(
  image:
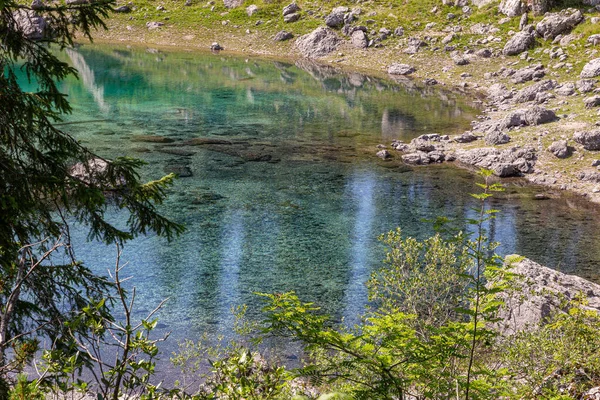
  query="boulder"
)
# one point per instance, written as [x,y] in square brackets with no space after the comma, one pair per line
[589,175]
[416,158]
[318,43]
[466,137]
[594,39]
[123,9]
[504,170]
[37,5]
[496,137]
[542,293]
[293,17]
[384,154]
[592,394]
[590,140]
[290,9]
[591,69]
[251,10]
[560,149]
[585,85]
[151,25]
[484,53]
[336,18]
[459,59]
[591,102]
[426,143]
[513,161]
[529,93]
[534,72]
[233,3]
[282,36]
[437,156]
[359,39]
[414,44]
[537,115]
[512,8]
[400,69]
[498,93]
[91,172]
[32,25]
[523,21]
[555,24]
[566,89]
[520,42]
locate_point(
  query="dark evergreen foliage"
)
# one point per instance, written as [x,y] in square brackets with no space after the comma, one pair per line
[48,179]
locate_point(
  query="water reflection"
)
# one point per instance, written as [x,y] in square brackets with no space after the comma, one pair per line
[130,87]
[285,192]
[360,192]
[228,295]
[87,77]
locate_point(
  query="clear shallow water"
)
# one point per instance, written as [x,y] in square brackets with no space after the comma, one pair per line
[290,196]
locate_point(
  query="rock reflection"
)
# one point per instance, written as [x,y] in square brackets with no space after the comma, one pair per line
[89,81]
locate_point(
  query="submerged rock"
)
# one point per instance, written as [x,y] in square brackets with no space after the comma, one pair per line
[151,139]
[182,171]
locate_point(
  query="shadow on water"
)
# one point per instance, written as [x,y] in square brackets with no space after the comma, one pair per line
[279,187]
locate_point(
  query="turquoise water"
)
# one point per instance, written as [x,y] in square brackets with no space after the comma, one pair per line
[287,193]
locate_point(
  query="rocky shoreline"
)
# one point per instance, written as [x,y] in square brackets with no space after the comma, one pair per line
[537,74]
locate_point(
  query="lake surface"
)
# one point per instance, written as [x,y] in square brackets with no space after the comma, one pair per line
[287,193]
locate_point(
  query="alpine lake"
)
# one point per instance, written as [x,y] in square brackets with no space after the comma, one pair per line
[279,186]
